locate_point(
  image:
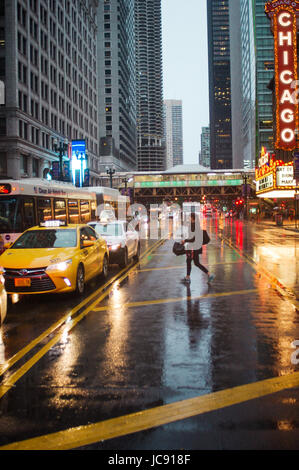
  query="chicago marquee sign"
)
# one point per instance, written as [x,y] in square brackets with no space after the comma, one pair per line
[283,15]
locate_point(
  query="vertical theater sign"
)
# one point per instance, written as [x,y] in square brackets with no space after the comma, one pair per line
[283,15]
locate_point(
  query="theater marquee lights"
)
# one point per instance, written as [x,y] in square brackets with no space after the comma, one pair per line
[275,179]
[283,17]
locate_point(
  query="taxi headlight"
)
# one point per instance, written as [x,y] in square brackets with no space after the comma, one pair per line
[63,266]
[2,270]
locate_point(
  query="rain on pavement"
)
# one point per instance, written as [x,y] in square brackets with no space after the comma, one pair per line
[153,340]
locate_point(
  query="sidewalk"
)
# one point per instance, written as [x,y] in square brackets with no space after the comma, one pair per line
[273,250]
[287,224]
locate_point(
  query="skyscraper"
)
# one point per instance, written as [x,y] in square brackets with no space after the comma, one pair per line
[173,128]
[117,84]
[150,134]
[252,63]
[205,147]
[243,82]
[219,84]
[264,74]
[48,66]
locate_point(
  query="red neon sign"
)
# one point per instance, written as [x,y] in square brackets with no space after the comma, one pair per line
[283,15]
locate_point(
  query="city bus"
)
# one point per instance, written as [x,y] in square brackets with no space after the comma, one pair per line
[109,199]
[29,202]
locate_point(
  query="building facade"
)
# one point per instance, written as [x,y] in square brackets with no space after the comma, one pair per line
[243,82]
[117,84]
[264,74]
[252,67]
[219,84]
[205,147]
[48,67]
[173,129]
[149,83]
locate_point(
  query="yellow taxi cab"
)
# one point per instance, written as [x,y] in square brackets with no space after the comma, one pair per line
[54,258]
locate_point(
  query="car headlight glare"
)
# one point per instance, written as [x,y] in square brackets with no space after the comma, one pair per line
[114,247]
[62,266]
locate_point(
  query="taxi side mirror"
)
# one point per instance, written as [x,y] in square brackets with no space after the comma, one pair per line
[7,245]
[87,243]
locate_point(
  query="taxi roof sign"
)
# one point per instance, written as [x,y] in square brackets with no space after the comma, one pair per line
[53,223]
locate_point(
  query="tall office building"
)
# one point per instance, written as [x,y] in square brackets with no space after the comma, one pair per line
[243,82]
[205,147]
[173,129]
[264,74]
[48,66]
[150,134]
[117,84]
[219,84]
[251,73]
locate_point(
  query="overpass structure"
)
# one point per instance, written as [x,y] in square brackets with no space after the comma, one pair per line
[192,182]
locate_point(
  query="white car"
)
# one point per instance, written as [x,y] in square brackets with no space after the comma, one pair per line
[122,240]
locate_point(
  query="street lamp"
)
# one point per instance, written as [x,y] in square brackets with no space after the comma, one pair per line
[60,148]
[126,180]
[110,172]
[245,178]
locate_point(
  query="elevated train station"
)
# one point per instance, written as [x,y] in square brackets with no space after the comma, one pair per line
[192,182]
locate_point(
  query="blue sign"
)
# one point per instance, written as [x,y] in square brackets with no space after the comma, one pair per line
[78,162]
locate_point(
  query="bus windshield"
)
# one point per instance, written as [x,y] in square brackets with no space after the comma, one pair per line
[10,215]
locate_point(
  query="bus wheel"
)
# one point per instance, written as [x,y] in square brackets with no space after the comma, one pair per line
[80,283]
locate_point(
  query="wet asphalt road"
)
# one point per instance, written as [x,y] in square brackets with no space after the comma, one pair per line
[150,340]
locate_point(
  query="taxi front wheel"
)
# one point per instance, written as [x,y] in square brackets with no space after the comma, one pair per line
[80,283]
[104,272]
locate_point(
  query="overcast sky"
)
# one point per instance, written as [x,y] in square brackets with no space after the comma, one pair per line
[185,67]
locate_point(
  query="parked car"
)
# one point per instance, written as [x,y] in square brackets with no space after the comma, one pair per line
[122,240]
[54,258]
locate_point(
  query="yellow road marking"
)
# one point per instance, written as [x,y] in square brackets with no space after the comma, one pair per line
[136,422]
[16,357]
[179,299]
[9,383]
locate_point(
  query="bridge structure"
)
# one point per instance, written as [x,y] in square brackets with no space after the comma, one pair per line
[185,183]
[192,183]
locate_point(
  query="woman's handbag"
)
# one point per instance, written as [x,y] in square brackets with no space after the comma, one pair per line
[206,238]
[178,249]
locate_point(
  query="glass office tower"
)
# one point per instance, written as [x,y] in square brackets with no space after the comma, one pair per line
[264,74]
[252,67]
[219,84]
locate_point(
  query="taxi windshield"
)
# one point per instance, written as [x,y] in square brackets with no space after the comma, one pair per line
[50,238]
[111,230]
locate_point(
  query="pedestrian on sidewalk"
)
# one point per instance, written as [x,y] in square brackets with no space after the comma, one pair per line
[193,246]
